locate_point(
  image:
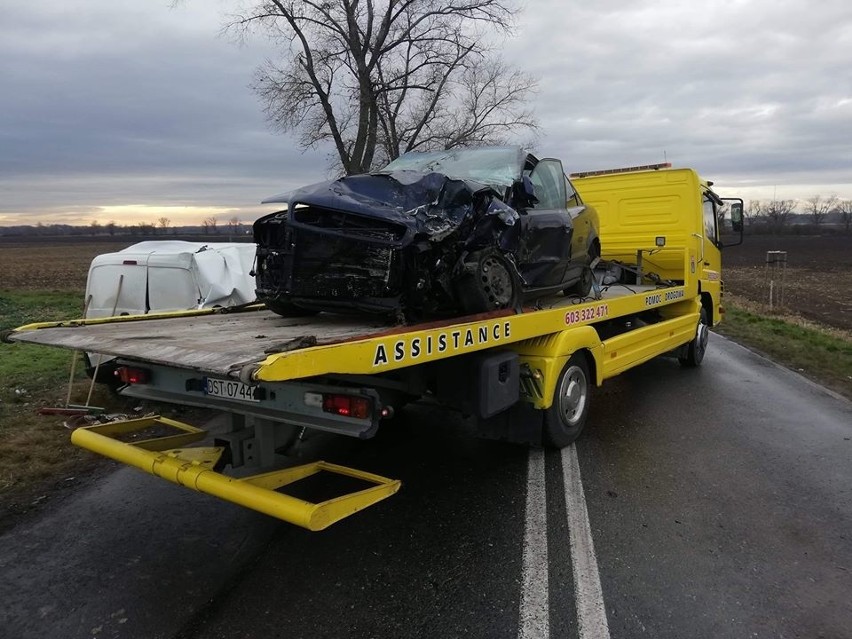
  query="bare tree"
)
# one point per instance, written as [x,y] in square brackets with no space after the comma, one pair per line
[208,224]
[95,226]
[818,207]
[163,223]
[778,213]
[379,78]
[754,213]
[844,207]
[234,224]
[110,227]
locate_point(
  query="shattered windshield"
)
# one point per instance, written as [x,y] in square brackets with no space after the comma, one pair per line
[489,165]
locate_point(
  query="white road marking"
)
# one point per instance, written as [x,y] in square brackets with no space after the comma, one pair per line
[591,611]
[535,608]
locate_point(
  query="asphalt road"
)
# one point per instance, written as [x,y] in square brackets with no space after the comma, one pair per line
[718,500]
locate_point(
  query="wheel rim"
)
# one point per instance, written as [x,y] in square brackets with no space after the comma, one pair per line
[701,339]
[496,281]
[573,394]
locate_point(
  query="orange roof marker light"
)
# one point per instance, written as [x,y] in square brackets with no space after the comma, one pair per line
[627,169]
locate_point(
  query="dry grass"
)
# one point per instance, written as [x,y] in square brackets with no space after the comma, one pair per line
[784,314]
[824,355]
[35,449]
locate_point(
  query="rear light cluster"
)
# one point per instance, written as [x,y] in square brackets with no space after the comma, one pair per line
[129,375]
[358,406]
[347,405]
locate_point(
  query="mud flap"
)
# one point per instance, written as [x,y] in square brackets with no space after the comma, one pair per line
[520,424]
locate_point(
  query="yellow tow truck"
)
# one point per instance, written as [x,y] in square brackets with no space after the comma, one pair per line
[523,376]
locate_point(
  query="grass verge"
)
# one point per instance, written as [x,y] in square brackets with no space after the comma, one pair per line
[824,355]
[37,459]
[36,456]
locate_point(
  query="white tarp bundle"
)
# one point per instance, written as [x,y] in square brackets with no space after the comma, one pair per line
[170,275]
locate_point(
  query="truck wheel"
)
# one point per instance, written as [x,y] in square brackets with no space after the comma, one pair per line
[566,417]
[698,346]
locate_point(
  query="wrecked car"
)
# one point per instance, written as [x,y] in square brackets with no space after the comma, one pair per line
[432,234]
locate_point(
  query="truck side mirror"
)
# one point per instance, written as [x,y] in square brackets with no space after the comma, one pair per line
[737,217]
[735,206]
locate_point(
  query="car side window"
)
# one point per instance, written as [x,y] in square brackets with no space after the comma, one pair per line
[571,194]
[548,179]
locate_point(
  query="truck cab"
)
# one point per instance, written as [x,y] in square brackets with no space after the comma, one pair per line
[647,211]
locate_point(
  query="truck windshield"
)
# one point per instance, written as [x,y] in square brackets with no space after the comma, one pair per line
[489,165]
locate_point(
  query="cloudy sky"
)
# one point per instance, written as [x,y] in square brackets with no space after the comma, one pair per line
[131,111]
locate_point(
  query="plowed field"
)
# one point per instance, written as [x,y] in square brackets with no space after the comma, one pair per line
[816,285]
[50,266]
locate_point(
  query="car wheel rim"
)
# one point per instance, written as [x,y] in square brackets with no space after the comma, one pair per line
[573,394]
[496,282]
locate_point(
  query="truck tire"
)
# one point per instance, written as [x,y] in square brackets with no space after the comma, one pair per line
[566,417]
[698,346]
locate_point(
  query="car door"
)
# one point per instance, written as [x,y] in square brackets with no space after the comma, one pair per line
[584,231]
[546,228]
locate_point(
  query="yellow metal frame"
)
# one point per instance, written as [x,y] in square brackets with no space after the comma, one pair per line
[418,346]
[546,356]
[406,346]
[117,319]
[194,468]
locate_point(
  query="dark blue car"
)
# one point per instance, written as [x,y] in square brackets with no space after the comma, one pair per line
[430,235]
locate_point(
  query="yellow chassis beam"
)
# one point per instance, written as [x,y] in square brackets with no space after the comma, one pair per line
[193,468]
[119,319]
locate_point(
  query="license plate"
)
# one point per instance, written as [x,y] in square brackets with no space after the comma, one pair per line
[229,389]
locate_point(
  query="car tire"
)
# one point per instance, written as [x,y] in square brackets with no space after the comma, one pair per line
[566,418]
[489,282]
[286,309]
[583,286]
[698,346]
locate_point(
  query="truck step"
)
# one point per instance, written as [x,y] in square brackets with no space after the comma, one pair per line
[156,445]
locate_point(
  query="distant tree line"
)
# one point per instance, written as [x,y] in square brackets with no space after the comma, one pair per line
[161,227]
[817,214]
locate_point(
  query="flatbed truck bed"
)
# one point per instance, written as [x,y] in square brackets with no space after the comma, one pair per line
[263,346]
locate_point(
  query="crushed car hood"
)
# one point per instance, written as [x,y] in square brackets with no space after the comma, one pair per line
[430,204]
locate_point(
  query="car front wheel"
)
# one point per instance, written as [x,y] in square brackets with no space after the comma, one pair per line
[489,283]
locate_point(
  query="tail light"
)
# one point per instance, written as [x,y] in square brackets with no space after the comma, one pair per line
[130,375]
[347,405]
